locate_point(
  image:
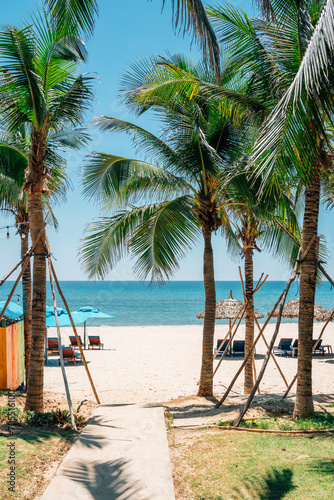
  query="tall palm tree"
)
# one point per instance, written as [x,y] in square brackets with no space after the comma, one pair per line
[14,152]
[197,142]
[251,222]
[276,55]
[39,90]
[13,162]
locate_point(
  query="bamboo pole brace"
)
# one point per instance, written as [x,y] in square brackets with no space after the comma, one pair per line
[17,265]
[272,355]
[257,288]
[271,345]
[228,333]
[228,390]
[21,272]
[232,336]
[242,283]
[324,272]
[259,281]
[68,396]
[76,335]
[254,369]
[242,310]
[331,316]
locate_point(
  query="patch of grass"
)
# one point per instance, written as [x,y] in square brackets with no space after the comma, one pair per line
[35,450]
[216,465]
[319,421]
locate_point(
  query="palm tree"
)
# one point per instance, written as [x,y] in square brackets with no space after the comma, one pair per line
[14,152]
[40,92]
[278,58]
[13,162]
[197,142]
[251,220]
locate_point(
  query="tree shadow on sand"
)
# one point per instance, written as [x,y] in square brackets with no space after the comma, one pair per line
[274,486]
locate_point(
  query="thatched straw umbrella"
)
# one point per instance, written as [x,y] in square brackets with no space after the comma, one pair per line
[291,310]
[228,309]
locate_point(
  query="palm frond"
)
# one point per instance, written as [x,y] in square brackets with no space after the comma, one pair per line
[191,15]
[74,12]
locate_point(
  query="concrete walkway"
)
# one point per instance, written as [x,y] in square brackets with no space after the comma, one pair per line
[122,454]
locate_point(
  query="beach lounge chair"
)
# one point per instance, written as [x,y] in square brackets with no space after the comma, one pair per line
[283,348]
[222,349]
[294,348]
[70,355]
[74,342]
[95,342]
[238,348]
[319,349]
[53,346]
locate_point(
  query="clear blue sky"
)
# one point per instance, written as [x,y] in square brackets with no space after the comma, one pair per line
[126,31]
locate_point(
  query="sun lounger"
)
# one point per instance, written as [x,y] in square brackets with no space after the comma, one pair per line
[74,342]
[53,346]
[238,348]
[95,343]
[222,349]
[69,355]
[319,349]
[294,348]
[283,348]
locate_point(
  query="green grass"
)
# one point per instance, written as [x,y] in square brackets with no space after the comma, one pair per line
[35,450]
[319,421]
[224,465]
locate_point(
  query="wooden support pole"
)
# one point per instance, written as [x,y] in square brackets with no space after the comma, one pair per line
[75,333]
[228,390]
[231,338]
[242,283]
[229,333]
[68,396]
[21,272]
[298,245]
[271,345]
[271,353]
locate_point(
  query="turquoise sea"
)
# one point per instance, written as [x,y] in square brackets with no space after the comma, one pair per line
[174,303]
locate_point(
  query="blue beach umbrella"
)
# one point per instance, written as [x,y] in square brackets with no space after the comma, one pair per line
[63,318]
[13,310]
[91,312]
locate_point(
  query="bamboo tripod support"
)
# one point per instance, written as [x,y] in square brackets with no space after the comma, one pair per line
[241,312]
[75,332]
[228,390]
[271,344]
[68,396]
[26,257]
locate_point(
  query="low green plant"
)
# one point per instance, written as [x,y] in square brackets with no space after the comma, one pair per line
[169,419]
[55,418]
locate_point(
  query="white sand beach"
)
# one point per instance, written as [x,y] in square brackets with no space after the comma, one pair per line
[160,363]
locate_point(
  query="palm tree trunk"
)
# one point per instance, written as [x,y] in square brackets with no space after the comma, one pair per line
[35,385]
[304,398]
[26,300]
[206,378]
[249,331]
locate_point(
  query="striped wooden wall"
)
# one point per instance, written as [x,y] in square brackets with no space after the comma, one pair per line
[12,356]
